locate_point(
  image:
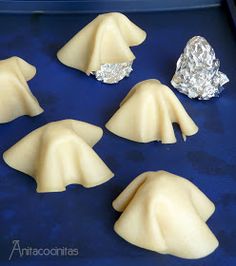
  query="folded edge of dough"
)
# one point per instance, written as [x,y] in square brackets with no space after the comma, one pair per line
[58,154]
[16,98]
[104,40]
[165,213]
[147,113]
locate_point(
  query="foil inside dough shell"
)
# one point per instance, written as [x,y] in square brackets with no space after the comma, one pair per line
[113,73]
[197,71]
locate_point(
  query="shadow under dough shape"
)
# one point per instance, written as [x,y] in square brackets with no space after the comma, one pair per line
[105,40]
[16,99]
[58,154]
[166,213]
[147,113]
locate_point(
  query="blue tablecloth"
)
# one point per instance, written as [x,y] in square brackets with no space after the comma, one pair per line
[83,218]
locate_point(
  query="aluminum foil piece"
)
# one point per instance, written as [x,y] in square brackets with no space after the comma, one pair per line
[113,73]
[197,71]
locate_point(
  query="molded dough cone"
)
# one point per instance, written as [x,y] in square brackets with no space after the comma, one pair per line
[59,154]
[104,40]
[16,98]
[147,114]
[167,214]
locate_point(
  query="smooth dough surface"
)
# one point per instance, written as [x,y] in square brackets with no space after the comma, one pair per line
[58,154]
[16,99]
[166,213]
[147,113]
[104,40]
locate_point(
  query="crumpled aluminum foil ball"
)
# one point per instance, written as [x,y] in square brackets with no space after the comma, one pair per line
[113,73]
[197,71]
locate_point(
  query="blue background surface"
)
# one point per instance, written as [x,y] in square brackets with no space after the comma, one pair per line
[80,6]
[83,218]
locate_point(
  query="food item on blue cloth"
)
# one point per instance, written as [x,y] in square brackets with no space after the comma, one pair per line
[166,213]
[197,72]
[147,113]
[58,154]
[16,99]
[103,46]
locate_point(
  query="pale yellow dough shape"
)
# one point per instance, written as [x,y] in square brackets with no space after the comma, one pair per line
[166,213]
[58,154]
[104,40]
[147,113]
[16,99]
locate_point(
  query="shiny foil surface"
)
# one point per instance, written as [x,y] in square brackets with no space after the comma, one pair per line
[113,73]
[197,71]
